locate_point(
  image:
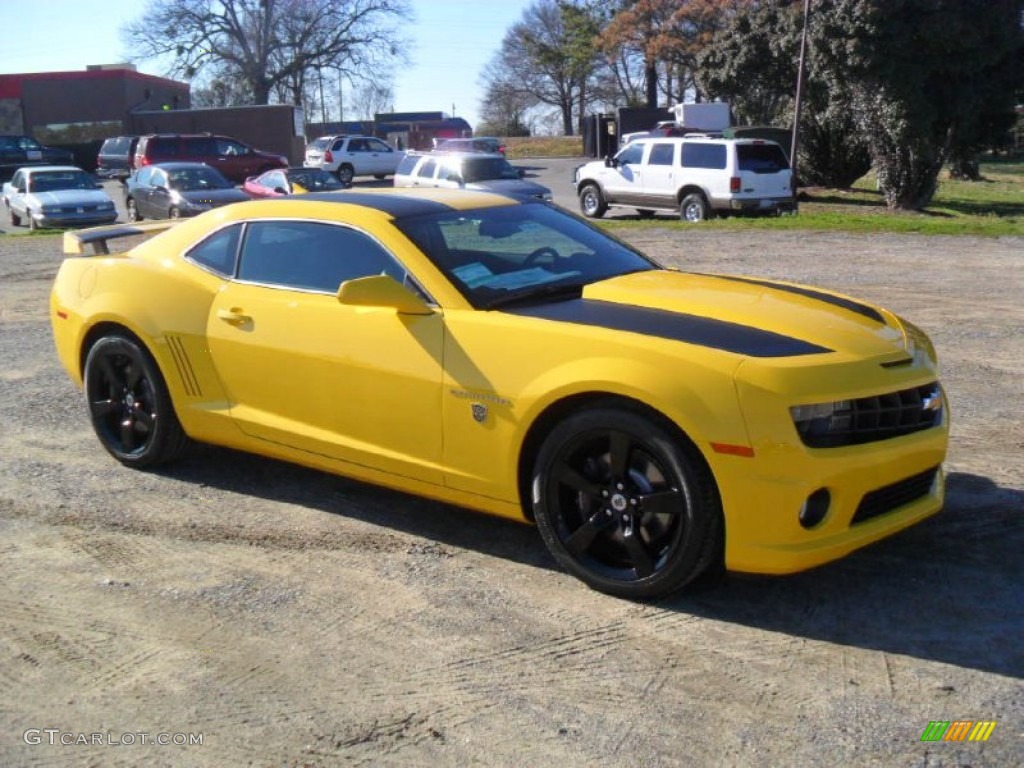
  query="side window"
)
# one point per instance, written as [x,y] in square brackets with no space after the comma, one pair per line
[426,171]
[338,145]
[162,148]
[310,256]
[631,155]
[357,145]
[376,145]
[217,252]
[407,166]
[661,154]
[696,155]
[230,148]
[158,179]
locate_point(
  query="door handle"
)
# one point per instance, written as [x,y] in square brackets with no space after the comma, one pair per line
[233,316]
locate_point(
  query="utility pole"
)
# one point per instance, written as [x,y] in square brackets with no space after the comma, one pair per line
[799,95]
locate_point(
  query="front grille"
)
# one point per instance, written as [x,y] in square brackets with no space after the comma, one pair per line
[880,417]
[884,500]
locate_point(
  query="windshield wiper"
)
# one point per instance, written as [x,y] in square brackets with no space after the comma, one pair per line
[539,293]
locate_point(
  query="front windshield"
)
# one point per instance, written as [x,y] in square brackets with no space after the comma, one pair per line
[54,181]
[487,168]
[192,179]
[315,180]
[523,252]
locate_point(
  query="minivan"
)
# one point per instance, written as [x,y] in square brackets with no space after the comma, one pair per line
[233,158]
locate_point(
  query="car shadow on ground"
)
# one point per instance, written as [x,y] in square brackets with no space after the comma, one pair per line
[947,590]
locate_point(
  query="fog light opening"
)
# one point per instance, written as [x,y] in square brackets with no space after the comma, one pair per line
[813,511]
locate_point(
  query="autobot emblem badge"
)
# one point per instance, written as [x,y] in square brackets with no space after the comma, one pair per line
[479,412]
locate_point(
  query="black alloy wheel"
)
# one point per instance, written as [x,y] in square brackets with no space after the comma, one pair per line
[129,403]
[623,507]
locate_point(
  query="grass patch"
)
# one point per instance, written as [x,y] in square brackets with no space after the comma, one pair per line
[519,147]
[992,207]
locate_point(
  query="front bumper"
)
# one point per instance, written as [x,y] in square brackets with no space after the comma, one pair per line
[873,489]
[74,219]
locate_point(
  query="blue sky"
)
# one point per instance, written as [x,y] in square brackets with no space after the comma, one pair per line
[453,41]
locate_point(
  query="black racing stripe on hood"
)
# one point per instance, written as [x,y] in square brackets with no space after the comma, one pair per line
[837,301]
[395,205]
[702,331]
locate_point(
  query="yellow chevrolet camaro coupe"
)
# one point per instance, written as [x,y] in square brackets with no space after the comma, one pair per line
[504,355]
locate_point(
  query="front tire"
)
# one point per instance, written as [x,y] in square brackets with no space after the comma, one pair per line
[130,406]
[592,203]
[623,506]
[15,218]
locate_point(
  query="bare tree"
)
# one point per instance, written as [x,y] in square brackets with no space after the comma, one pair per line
[269,46]
[549,56]
[371,97]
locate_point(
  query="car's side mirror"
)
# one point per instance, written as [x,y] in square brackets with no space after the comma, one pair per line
[453,177]
[382,291]
[610,162]
[281,190]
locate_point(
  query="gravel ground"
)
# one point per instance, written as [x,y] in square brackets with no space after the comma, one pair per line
[289,617]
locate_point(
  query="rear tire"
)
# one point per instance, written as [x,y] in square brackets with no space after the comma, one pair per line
[345,174]
[694,208]
[131,409]
[15,218]
[592,203]
[623,506]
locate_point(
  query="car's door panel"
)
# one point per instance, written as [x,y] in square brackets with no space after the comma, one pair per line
[360,384]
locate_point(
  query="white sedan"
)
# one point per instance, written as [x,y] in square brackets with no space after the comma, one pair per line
[56,196]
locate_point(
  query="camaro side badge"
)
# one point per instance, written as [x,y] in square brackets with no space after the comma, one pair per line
[479,412]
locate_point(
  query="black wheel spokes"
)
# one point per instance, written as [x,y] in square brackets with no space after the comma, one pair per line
[616,509]
[583,537]
[124,415]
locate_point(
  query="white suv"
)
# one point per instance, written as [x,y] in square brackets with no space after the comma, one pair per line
[696,176]
[350,156]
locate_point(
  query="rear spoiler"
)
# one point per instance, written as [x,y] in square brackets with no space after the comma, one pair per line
[75,241]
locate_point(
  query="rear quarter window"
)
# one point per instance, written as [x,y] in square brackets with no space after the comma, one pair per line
[217,253]
[162,148]
[710,156]
[761,158]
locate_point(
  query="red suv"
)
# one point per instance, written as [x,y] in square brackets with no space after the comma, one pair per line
[234,159]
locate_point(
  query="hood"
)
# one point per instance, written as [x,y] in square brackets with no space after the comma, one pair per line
[765,315]
[81,197]
[510,187]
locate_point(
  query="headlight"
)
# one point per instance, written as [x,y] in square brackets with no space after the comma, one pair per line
[822,419]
